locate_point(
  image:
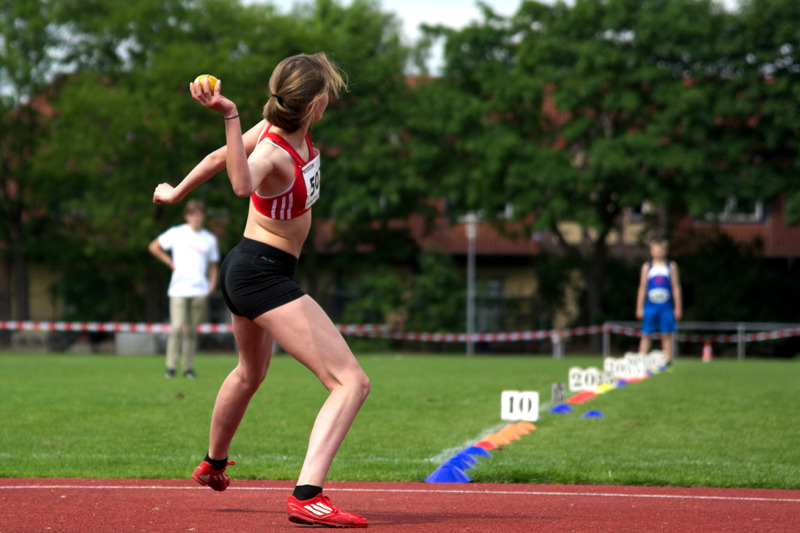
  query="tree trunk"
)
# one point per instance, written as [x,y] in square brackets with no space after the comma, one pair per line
[19,272]
[594,272]
[5,299]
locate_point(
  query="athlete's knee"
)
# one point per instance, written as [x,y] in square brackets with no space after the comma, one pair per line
[358,383]
[364,386]
[248,380]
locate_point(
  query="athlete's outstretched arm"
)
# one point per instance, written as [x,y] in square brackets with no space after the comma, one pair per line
[205,169]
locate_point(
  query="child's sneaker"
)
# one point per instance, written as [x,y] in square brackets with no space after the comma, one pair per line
[216,479]
[320,511]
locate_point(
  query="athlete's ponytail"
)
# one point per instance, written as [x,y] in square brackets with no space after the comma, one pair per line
[296,83]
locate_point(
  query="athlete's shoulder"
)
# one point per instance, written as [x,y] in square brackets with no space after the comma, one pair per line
[266,151]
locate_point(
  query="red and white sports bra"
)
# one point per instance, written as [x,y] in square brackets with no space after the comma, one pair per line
[304,190]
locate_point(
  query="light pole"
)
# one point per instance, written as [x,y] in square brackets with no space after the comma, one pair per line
[471,221]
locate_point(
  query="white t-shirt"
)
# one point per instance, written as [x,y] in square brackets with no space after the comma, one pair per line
[192,251]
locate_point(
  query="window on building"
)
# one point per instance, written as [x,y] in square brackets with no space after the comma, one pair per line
[489,304]
[637,213]
[738,210]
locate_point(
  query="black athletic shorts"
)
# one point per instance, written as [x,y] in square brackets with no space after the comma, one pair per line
[256,278]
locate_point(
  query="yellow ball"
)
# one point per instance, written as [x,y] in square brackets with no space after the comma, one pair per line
[212,81]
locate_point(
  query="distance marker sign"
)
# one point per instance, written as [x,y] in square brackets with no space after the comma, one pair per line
[519,405]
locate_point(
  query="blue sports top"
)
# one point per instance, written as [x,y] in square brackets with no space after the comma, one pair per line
[659,284]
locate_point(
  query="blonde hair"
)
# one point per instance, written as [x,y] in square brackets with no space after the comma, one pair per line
[296,83]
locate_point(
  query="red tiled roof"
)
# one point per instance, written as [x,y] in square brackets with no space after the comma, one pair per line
[488,241]
[450,238]
[778,238]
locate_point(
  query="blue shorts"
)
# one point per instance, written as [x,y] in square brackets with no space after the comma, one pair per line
[256,277]
[658,317]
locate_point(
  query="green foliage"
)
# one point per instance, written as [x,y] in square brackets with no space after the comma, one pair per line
[563,111]
[99,295]
[723,278]
[792,208]
[619,288]
[578,112]
[368,176]
[375,296]
[724,424]
[432,299]
[27,40]
[438,301]
[119,120]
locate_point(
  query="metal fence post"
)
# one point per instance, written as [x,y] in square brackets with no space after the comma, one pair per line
[558,347]
[471,221]
[675,341]
[740,341]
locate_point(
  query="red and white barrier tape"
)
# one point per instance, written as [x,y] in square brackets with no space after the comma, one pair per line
[139,327]
[387,332]
[508,336]
[359,330]
[724,337]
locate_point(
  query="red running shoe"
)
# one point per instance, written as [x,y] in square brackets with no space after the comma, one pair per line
[320,511]
[216,479]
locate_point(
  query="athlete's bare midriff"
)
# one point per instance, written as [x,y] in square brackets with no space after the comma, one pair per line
[286,235]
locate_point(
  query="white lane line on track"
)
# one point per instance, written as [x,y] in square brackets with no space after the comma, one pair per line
[419,491]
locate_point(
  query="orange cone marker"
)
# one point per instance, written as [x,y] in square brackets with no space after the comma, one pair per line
[707,352]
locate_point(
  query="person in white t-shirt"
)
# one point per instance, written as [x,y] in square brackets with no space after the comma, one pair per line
[194,259]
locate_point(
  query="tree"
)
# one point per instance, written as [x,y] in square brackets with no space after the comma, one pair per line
[369,181]
[577,113]
[27,62]
[702,257]
[762,104]
[124,122]
[114,77]
[438,298]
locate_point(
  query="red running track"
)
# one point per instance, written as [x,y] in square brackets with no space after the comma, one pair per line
[173,506]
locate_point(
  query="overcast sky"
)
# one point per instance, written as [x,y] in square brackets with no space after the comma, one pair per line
[412,13]
[453,13]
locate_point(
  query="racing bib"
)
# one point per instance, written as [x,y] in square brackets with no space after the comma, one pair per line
[658,295]
[311,177]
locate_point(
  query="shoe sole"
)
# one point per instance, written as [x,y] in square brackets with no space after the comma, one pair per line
[207,485]
[299,519]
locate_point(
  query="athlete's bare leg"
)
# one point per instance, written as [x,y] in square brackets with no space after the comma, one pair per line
[644,344]
[255,352]
[666,346]
[303,329]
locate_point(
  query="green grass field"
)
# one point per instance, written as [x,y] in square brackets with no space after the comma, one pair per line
[721,424]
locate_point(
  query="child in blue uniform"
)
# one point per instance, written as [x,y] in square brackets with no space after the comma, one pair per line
[659,301]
